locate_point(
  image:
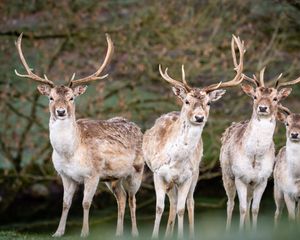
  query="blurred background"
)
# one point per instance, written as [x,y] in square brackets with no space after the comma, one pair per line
[63,37]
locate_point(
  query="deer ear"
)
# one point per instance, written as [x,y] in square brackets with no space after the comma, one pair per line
[216,95]
[79,90]
[248,89]
[179,92]
[283,93]
[281,116]
[44,89]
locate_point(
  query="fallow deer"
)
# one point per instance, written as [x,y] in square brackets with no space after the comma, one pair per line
[287,166]
[173,147]
[86,151]
[247,153]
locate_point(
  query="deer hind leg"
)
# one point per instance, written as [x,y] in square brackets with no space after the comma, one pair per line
[257,195]
[90,187]
[191,205]
[69,190]
[132,185]
[290,204]
[183,191]
[172,194]
[160,191]
[242,194]
[279,202]
[120,195]
[230,189]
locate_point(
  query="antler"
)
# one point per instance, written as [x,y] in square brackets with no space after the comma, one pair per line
[278,85]
[182,84]
[95,76]
[239,77]
[29,74]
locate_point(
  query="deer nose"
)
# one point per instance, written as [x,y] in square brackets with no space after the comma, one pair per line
[199,119]
[61,112]
[263,108]
[294,135]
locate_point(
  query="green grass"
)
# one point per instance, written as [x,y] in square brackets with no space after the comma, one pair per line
[209,224]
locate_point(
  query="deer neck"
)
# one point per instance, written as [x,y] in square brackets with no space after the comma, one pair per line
[293,157]
[64,136]
[188,134]
[259,135]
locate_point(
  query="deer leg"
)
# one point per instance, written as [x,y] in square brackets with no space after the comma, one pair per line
[172,194]
[69,190]
[160,190]
[191,205]
[90,187]
[249,200]
[242,194]
[230,189]
[132,185]
[120,195]
[257,195]
[183,191]
[298,211]
[290,204]
[279,201]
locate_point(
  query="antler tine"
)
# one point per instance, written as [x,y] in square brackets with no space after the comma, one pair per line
[95,76]
[239,77]
[261,76]
[288,83]
[29,74]
[277,80]
[173,81]
[183,78]
[284,109]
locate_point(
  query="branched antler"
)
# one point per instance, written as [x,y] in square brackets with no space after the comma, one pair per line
[182,84]
[239,77]
[29,74]
[96,75]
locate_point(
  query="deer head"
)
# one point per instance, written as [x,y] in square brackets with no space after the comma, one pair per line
[197,101]
[266,99]
[291,121]
[61,98]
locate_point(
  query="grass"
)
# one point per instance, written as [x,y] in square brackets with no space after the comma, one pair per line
[209,224]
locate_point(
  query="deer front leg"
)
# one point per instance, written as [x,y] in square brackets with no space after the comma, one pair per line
[160,191]
[172,194]
[90,187]
[183,191]
[279,202]
[242,194]
[69,189]
[257,195]
[290,204]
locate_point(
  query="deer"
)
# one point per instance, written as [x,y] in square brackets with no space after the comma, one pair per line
[86,151]
[173,147]
[247,153]
[287,167]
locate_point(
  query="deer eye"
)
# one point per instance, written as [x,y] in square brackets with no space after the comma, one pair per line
[187,102]
[51,98]
[287,124]
[71,99]
[275,99]
[255,97]
[208,104]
